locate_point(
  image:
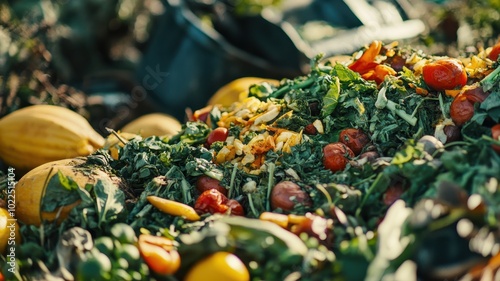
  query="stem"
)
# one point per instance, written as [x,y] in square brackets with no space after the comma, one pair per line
[368,193]
[280,92]
[488,138]
[420,104]
[412,120]
[231,184]
[250,203]
[270,183]
[122,140]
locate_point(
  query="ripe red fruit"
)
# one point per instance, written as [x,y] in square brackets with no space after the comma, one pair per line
[355,139]
[336,156]
[445,74]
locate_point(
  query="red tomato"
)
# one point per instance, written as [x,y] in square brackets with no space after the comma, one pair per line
[218,134]
[204,183]
[474,93]
[235,207]
[286,194]
[212,201]
[495,51]
[495,133]
[461,110]
[445,74]
[335,156]
[355,139]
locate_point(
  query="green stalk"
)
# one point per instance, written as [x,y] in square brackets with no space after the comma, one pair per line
[231,184]
[382,102]
[412,120]
[270,184]
[370,190]
[250,203]
[280,92]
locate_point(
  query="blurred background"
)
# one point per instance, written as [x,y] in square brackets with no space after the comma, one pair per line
[115,60]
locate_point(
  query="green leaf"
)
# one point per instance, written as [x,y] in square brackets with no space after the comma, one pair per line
[331,99]
[60,191]
[491,105]
[109,201]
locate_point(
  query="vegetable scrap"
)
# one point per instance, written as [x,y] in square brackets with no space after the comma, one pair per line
[381,167]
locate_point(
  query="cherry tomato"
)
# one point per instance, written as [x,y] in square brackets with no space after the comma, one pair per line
[445,74]
[495,51]
[461,110]
[212,201]
[474,93]
[355,139]
[495,133]
[235,207]
[204,183]
[335,156]
[286,194]
[218,134]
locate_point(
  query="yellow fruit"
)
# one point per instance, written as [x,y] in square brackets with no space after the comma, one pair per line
[237,90]
[154,124]
[217,267]
[31,188]
[113,144]
[9,228]
[39,134]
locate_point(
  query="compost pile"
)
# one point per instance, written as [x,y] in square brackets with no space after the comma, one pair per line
[381,166]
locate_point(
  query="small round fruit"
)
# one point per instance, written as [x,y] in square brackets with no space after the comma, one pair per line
[204,183]
[218,134]
[336,156]
[445,74]
[355,139]
[461,110]
[286,194]
[219,266]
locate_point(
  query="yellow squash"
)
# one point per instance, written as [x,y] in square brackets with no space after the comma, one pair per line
[153,124]
[237,90]
[38,134]
[31,188]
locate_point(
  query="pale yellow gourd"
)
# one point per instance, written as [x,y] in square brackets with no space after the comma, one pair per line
[38,134]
